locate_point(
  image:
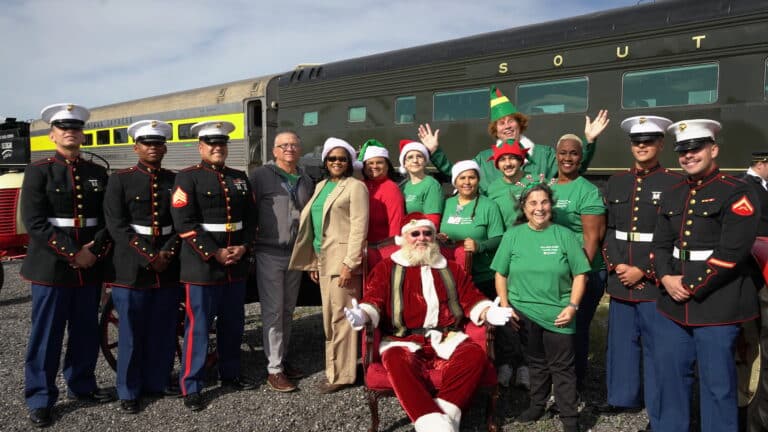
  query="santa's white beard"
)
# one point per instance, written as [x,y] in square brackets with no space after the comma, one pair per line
[421,256]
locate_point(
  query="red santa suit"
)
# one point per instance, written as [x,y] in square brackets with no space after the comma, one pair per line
[409,349]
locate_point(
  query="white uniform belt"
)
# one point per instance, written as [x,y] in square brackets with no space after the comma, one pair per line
[634,236]
[148,230]
[692,255]
[74,222]
[224,227]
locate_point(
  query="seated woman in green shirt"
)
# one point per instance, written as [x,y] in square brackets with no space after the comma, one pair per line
[474,220]
[422,193]
[540,271]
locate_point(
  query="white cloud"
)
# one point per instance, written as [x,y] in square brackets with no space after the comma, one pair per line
[98,52]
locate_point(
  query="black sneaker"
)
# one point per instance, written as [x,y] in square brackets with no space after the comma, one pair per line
[531,415]
[194,402]
[130,406]
[238,384]
[40,417]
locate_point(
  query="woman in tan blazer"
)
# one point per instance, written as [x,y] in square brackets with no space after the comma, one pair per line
[329,245]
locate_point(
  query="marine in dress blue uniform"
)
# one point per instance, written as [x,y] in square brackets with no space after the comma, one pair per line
[213,211]
[145,291]
[701,255]
[61,205]
[757,177]
[632,199]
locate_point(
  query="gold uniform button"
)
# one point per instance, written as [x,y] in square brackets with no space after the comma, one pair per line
[634,228]
[79,196]
[77,177]
[53,242]
[685,244]
[155,213]
[639,180]
[689,212]
[689,222]
[155,223]
[78,187]
[688,233]
[634,218]
[693,201]
[637,198]
[693,192]
[637,208]
[639,189]
[79,206]
[705,213]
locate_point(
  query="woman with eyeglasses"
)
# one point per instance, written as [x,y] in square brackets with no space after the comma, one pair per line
[579,207]
[422,193]
[385,200]
[330,242]
[475,221]
[540,272]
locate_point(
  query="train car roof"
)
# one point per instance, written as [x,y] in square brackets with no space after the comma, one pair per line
[614,22]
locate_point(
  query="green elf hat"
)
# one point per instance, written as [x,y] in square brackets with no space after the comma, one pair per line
[373,148]
[500,105]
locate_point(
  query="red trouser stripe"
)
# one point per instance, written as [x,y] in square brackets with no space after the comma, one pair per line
[189,342]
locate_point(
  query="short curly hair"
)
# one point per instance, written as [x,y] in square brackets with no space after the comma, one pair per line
[522,121]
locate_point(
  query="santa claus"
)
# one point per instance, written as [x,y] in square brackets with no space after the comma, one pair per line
[420,301]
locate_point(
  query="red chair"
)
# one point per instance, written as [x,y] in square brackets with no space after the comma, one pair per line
[377,383]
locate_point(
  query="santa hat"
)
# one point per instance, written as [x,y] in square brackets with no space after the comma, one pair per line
[332,143]
[500,105]
[371,149]
[412,221]
[510,147]
[408,145]
[461,166]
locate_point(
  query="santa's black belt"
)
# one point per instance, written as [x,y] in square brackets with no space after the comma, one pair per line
[423,330]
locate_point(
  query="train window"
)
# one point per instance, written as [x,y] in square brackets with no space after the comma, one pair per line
[553,97]
[682,85]
[460,105]
[405,109]
[88,139]
[185,132]
[102,137]
[120,135]
[310,119]
[356,114]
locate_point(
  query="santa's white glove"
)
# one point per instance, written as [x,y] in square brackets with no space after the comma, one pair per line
[497,315]
[356,316]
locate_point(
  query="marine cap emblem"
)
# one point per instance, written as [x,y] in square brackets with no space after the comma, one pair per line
[642,120]
[154,123]
[218,125]
[70,107]
[682,127]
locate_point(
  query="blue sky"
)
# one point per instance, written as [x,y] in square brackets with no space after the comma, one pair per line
[98,52]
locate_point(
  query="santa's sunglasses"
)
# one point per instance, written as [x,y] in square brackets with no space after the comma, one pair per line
[426,233]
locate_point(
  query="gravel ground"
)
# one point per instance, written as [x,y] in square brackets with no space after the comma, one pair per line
[260,409]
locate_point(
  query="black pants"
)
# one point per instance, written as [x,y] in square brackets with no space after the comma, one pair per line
[550,358]
[507,348]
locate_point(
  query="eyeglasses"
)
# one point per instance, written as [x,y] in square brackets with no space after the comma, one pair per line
[287,146]
[342,159]
[426,233]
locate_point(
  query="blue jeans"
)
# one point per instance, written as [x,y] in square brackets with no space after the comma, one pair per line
[592,295]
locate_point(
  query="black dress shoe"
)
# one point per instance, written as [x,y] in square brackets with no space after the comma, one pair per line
[238,384]
[40,417]
[194,402]
[98,396]
[130,406]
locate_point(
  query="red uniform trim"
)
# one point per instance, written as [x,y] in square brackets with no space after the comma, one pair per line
[189,340]
[721,263]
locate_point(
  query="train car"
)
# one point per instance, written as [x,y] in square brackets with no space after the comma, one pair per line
[250,104]
[678,59]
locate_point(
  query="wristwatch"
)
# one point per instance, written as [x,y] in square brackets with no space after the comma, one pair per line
[574,306]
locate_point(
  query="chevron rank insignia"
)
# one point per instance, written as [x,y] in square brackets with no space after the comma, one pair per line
[743,207]
[179,198]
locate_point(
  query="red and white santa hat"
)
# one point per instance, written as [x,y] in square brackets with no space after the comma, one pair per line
[408,145]
[412,221]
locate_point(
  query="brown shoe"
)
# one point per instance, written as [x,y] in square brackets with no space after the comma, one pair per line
[292,372]
[328,388]
[280,382]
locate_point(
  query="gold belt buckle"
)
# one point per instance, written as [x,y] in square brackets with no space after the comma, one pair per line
[230,227]
[633,236]
[80,221]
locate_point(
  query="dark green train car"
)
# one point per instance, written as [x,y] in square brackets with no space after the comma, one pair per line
[678,59]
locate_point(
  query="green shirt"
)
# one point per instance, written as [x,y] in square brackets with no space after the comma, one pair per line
[573,199]
[541,161]
[507,196]
[539,267]
[317,214]
[485,228]
[425,196]
[290,178]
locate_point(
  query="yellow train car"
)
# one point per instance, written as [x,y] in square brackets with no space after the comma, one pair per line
[250,104]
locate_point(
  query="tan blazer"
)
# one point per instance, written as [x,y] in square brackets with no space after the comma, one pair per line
[345,226]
